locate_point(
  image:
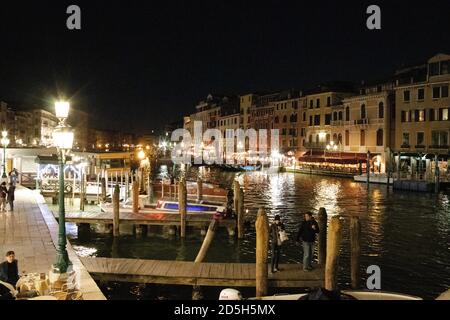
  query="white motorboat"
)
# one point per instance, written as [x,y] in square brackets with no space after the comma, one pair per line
[349,294]
[374,178]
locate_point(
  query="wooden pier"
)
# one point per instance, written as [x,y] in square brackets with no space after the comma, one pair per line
[158,218]
[201,274]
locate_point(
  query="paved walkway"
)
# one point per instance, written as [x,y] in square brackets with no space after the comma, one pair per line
[32,232]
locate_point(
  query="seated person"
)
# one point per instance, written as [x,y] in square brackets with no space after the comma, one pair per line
[9,271]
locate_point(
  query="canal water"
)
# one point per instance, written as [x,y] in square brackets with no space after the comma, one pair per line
[406,234]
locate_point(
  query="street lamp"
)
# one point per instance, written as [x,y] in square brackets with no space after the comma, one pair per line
[63,140]
[5,142]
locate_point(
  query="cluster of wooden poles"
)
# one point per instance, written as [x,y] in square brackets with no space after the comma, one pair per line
[182,204]
[329,244]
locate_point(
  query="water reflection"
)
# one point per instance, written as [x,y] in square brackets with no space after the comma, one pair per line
[406,234]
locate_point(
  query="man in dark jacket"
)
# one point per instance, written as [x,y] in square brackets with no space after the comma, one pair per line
[9,272]
[307,233]
[10,196]
[275,229]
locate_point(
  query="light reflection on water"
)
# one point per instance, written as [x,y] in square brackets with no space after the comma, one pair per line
[406,234]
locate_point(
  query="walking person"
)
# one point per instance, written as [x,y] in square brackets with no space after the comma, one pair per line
[3,194]
[276,233]
[10,196]
[307,233]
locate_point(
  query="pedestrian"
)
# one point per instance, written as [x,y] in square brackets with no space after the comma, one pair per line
[9,271]
[10,196]
[3,193]
[277,233]
[307,233]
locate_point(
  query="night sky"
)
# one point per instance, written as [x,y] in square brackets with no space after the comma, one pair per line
[136,65]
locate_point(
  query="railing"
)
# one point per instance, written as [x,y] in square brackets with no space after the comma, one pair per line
[357,122]
[314,145]
[434,146]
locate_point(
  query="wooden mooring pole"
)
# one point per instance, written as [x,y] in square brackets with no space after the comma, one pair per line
[207,241]
[333,246]
[135,196]
[116,217]
[355,252]
[182,203]
[103,197]
[196,290]
[236,194]
[82,191]
[262,247]
[199,189]
[322,241]
[240,214]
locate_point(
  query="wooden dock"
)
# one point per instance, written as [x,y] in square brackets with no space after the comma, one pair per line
[202,274]
[157,218]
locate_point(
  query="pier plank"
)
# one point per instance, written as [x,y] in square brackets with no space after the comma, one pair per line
[190,273]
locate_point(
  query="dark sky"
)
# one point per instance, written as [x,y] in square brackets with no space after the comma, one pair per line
[139,64]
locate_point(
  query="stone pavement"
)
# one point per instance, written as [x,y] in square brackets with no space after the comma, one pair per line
[32,232]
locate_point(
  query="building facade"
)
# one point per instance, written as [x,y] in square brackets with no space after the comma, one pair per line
[423,106]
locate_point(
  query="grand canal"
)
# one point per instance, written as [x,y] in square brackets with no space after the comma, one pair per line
[406,234]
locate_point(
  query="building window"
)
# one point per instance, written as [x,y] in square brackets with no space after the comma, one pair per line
[328,119]
[347,137]
[406,96]
[340,115]
[436,92]
[420,139]
[327,138]
[444,92]
[310,139]
[317,139]
[339,139]
[304,116]
[317,103]
[405,116]
[317,120]
[310,120]
[363,111]
[335,116]
[433,69]
[362,138]
[405,141]
[419,115]
[347,114]
[283,131]
[277,120]
[431,115]
[335,138]
[284,119]
[420,94]
[328,101]
[443,114]
[311,104]
[381,110]
[380,137]
[439,138]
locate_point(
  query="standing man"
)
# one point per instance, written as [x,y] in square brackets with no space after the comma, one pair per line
[275,228]
[307,232]
[3,193]
[10,194]
[9,271]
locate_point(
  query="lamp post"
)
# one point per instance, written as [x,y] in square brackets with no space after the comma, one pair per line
[5,142]
[63,140]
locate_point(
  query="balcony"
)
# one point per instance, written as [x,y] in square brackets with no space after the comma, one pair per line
[361,122]
[405,146]
[435,146]
[314,145]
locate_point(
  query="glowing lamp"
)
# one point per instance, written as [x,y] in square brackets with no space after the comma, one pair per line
[62,109]
[63,138]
